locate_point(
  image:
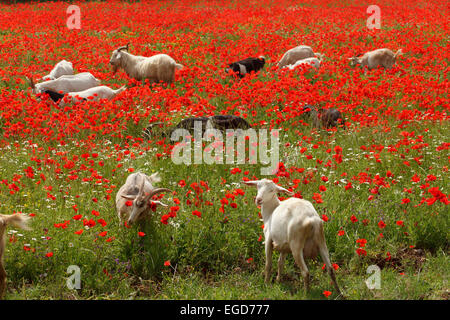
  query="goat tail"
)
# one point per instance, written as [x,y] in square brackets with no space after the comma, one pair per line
[398,53]
[179,66]
[17,220]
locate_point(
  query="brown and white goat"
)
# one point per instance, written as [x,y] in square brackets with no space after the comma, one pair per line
[373,59]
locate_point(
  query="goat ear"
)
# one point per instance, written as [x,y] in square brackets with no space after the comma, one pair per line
[251,182]
[283,190]
[129,197]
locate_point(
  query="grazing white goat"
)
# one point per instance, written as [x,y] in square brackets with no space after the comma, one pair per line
[61,68]
[19,221]
[159,67]
[67,83]
[139,189]
[314,62]
[379,57]
[298,53]
[290,226]
[92,94]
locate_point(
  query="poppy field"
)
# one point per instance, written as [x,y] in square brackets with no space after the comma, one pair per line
[380,184]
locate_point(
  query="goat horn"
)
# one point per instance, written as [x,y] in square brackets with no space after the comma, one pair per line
[158,190]
[123,47]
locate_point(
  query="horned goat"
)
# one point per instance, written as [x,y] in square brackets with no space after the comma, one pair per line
[138,189]
[159,67]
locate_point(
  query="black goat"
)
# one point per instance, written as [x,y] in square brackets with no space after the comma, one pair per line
[55,96]
[242,67]
[219,122]
[327,118]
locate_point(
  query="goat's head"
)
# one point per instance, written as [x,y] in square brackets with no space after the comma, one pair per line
[33,87]
[354,61]
[116,57]
[154,130]
[262,59]
[142,202]
[267,190]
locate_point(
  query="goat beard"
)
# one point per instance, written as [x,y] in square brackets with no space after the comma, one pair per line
[114,69]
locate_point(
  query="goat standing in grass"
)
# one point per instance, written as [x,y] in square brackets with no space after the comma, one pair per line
[373,59]
[159,67]
[290,226]
[19,221]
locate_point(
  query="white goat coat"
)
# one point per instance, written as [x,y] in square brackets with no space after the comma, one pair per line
[292,217]
[159,67]
[314,62]
[92,94]
[293,55]
[132,187]
[61,68]
[68,83]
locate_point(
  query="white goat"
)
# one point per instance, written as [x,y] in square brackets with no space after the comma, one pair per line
[139,189]
[290,226]
[67,83]
[160,67]
[91,94]
[61,68]
[379,57]
[314,62]
[298,53]
[19,221]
